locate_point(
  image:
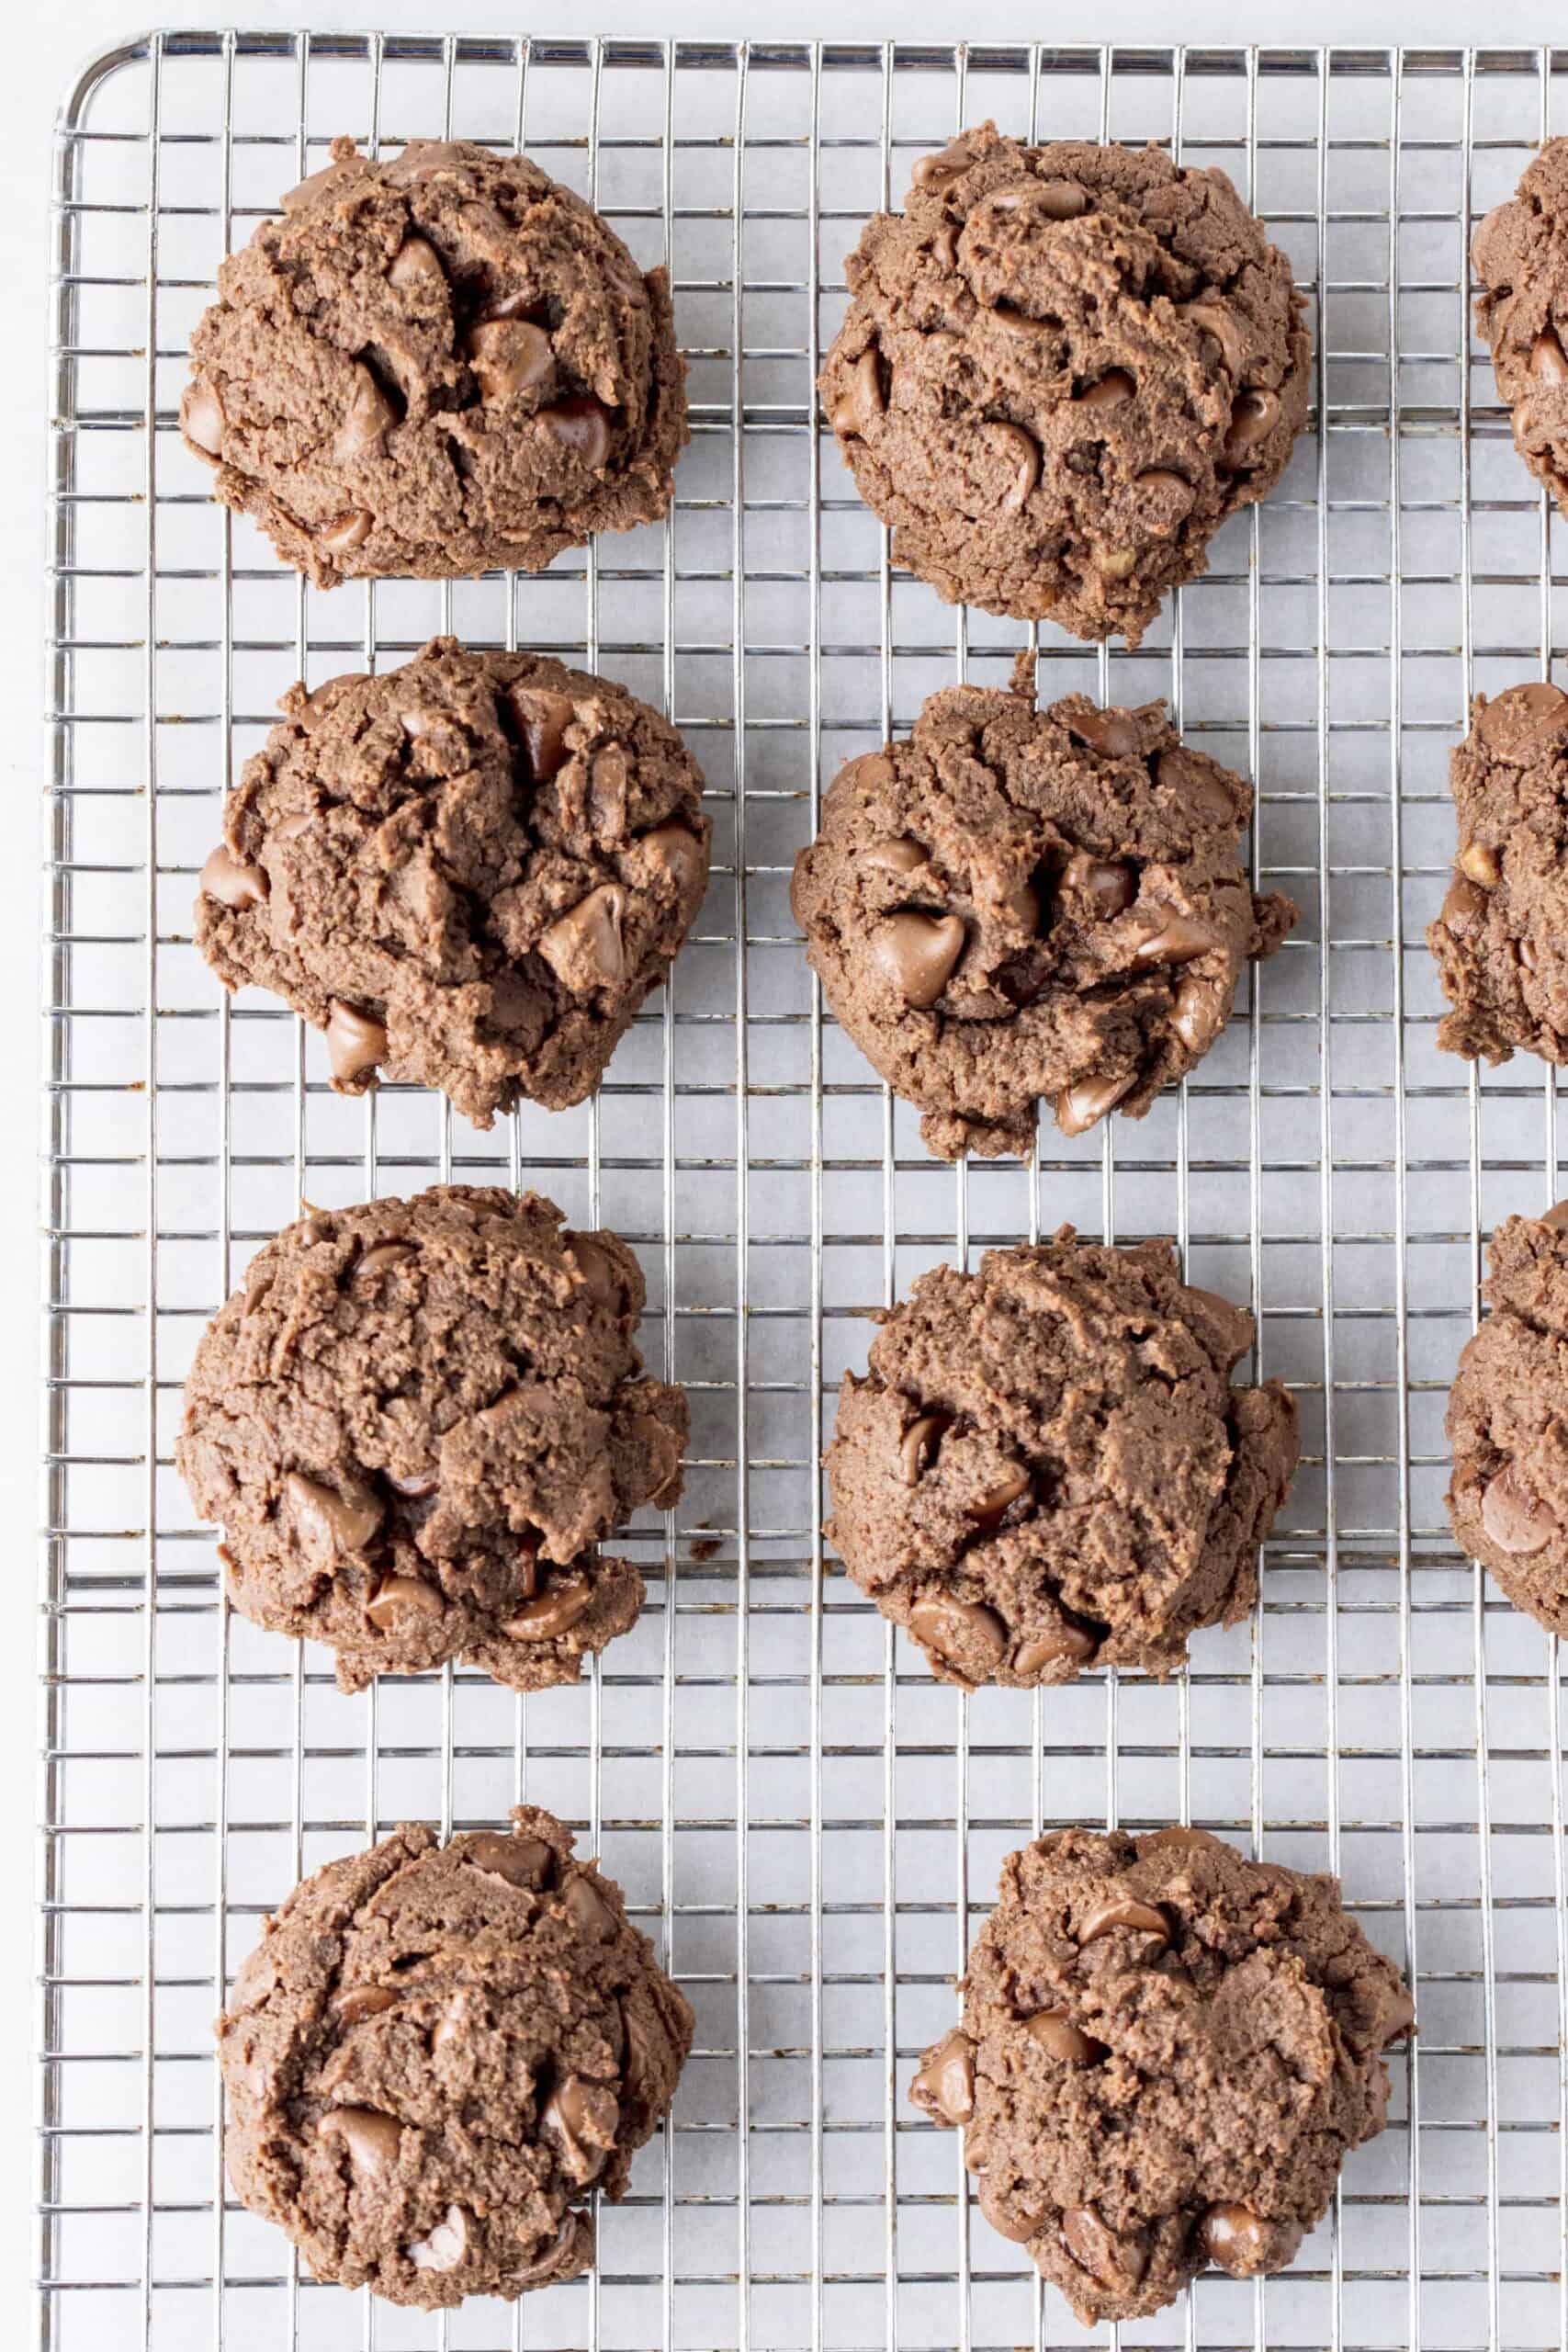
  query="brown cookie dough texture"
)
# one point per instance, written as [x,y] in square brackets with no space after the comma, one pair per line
[434,2053]
[1046,1467]
[415,1424]
[1166,2054]
[435,365]
[1520,253]
[1507,1420]
[1501,941]
[1016,905]
[469,872]
[1061,368]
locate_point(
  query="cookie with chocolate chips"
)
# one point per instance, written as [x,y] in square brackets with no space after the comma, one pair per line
[435,365]
[1501,940]
[1061,369]
[1520,254]
[468,873]
[1014,906]
[417,1422]
[1508,1412]
[1046,1467]
[1166,2054]
[436,2052]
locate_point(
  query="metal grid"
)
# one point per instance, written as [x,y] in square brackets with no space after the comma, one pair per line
[807,1824]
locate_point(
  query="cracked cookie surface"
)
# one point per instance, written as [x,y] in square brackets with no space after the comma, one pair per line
[1061,369]
[1501,941]
[1012,905]
[435,365]
[469,872]
[1520,253]
[1046,1466]
[417,1421]
[435,2052]
[1166,2052]
[1507,1421]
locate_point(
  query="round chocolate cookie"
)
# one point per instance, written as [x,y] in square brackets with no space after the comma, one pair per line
[469,872]
[435,2052]
[1061,368]
[1046,1467]
[1507,1415]
[416,1422]
[1501,941]
[1016,905]
[435,365]
[1520,253]
[1166,2054]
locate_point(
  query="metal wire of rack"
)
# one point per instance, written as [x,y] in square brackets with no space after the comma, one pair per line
[807,1826]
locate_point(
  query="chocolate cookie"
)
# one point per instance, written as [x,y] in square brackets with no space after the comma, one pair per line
[416,1422]
[1166,2054]
[435,365]
[469,872]
[435,2052]
[1507,1420]
[1061,368]
[1017,904]
[1501,941]
[1046,1466]
[1520,253]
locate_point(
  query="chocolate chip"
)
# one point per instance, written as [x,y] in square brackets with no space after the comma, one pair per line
[584,947]
[1547,362]
[1109,887]
[1060,2039]
[1018,2228]
[919,1447]
[360,2001]
[381,1255]
[1193,782]
[233,885]
[574,2110]
[415,258]
[445,2246]
[1514,1516]
[367,417]
[944,2087]
[543,717]
[1107,390]
[1557,1219]
[567,2252]
[413,1490]
[862,400]
[1021,453]
[582,425]
[674,851]
[917,953]
[594,1264]
[348,532]
[398,1596]
[900,856]
[1253,419]
[1067,1639]
[1218,320]
[1114,1913]
[587,1909]
[1196,1014]
[1059,200]
[966,1636]
[356,1041]
[522,1862]
[1463,906]
[1117,2262]
[1081,1106]
[1176,940]
[1481,865]
[1239,2241]
[1020,326]
[561,1604]
[989,1510]
[329,1524]
[202,418]
[1172,495]
[941,171]
[371,2138]
[1113,733]
[509,355]
[868,772]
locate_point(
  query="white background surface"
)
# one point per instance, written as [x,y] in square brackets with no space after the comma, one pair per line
[44,48]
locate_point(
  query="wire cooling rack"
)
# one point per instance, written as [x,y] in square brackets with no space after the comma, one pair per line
[807,1824]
